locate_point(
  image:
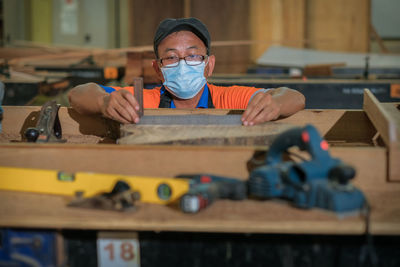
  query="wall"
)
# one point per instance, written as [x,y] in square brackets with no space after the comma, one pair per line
[276,22]
[339,25]
[89,23]
[98,23]
[16,19]
[226,22]
[386,18]
[66,20]
[122,23]
[41,17]
[145,15]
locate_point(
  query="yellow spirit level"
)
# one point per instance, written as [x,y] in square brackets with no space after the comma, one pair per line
[152,189]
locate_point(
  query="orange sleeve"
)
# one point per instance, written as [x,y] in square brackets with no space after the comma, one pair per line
[231,97]
[151,97]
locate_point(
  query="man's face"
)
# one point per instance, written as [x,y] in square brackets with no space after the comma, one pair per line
[181,44]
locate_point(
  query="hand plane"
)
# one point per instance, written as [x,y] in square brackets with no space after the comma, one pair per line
[48,127]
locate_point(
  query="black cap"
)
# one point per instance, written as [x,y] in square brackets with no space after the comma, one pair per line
[169,26]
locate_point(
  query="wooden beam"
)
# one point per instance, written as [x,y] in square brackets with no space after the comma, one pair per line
[73,123]
[276,22]
[378,39]
[386,119]
[338,25]
[187,8]
[92,129]
[204,135]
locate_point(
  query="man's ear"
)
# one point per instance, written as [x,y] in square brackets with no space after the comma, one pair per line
[157,70]
[210,66]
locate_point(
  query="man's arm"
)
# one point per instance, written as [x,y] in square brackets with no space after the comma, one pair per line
[90,98]
[270,105]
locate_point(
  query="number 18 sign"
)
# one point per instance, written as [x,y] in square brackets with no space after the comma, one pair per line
[120,249]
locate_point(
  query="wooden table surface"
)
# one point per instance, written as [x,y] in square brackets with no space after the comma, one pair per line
[249,216]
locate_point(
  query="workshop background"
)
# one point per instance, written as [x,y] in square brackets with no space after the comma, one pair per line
[55,45]
[49,46]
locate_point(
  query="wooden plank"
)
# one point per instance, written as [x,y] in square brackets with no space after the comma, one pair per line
[173,160]
[94,129]
[386,119]
[340,127]
[18,118]
[246,217]
[139,64]
[8,53]
[187,9]
[144,26]
[294,23]
[168,160]
[133,68]
[235,26]
[249,216]
[379,117]
[206,135]
[338,25]
[393,110]
[276,22]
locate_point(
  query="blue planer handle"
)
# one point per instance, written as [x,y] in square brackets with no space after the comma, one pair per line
[306,139]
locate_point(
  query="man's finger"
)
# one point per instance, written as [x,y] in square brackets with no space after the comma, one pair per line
[113,114]
[125,111]
[125,107]
[259,102]
[122,106]
[250,108]
[131,99]
[265,115]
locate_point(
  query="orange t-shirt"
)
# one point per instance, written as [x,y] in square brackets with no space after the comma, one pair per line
[223,97]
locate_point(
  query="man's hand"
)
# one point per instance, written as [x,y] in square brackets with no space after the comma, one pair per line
[263,107]
[121,106]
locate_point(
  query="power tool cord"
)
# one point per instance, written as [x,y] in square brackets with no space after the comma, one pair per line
[367,251]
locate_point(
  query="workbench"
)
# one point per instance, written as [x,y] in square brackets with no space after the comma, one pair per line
[91,147]
[228,233]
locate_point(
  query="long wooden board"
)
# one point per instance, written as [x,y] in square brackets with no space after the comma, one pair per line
[95,129]
[248,216]
[386,118]
[259,135]
[28,210]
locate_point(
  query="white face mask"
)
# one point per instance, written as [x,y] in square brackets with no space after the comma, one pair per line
[184,81]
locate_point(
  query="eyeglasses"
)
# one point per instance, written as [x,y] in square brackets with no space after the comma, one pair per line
[173,61]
